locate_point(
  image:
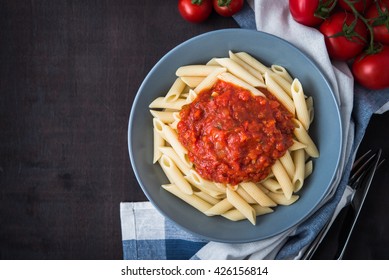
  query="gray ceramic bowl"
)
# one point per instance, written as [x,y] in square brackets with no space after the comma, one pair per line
[326,132]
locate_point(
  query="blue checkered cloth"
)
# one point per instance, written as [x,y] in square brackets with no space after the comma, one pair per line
[146,234]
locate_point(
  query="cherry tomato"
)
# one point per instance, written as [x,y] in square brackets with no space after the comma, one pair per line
[345,36]
[359,5]
[227,8]
[310,12]
[379,21]
[371,70]
[195,10]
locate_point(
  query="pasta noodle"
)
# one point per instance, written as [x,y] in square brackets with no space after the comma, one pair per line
[161,103]
[192,200]
[247,67]
[209,80]
[165,117]
[174,174]
[236,215]
[240,72]
[300,104]
[245,200]
[206,197]
[158,143]
[227,77]
[272,185]
[252,62]
[219,208]
[303,136]
[192,81]
[241,205]
[299,175]
[279,93]
[175,91]
[281,71]
[284,84]
[283,178]
[257,194]
[196,70]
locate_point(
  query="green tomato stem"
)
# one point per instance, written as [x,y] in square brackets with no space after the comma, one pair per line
[372,48]
[223,3]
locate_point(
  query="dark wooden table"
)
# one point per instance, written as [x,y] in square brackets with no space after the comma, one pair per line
[69,72]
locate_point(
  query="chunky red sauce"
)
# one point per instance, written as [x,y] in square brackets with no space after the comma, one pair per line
[232,136]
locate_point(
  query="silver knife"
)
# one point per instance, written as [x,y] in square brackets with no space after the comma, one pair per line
[358,200]
[334,244]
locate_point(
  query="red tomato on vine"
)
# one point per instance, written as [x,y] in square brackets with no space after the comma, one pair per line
[310,12]
[371,70]
[227,8]
[345,35]
[195,10]
[379,18]
[360,5]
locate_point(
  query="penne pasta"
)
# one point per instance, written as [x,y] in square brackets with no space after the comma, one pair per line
[283,178]
[247,67]
[196,70]
[279,93]
[219,208]
[191,96]
[192,81]
[236,215]
[284,84]
[165,117]
[303,136]
[171,153]
[272,185]
[175,91]
[212,62]
[241,205]
[265,190]
[192,200]
[257,194]
[227,77]
[299,175]
[202,183]
[206,197]
[282,200]
[215,194]
[308,169]
[245,195]
[281,72]
[300,104]
[240,72]
[210,80]
[174,175]
[158,143]
[288,164]
[176,117]
[161,103]
[297,145]
[252,62]
[310,109]
[171,137]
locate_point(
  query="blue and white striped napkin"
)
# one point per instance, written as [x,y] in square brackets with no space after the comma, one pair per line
[148,235]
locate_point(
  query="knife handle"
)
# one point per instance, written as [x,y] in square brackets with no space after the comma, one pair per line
[333,243]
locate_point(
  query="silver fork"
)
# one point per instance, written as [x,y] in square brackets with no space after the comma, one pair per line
[361,176]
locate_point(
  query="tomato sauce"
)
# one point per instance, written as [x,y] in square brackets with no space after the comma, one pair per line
[233,136]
